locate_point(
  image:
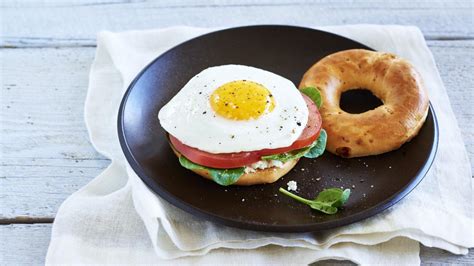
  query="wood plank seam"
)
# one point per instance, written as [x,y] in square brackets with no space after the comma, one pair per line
[26,220]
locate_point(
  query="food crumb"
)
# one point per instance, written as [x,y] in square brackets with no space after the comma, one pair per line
[302,169]
[353,186]
[371,186]
[292,185]
[243,200]
[390,167]
[363,195]
[319,178]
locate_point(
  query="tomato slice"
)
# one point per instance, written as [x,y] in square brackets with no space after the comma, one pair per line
[309,134]
[215,160]
[239,159]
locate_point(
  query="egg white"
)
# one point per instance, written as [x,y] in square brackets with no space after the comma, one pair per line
[189,117]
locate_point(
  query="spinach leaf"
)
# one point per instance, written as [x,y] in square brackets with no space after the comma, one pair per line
[317,148]
[328,201]
[223,177]
[334,196]
[314,94]
[190,165]
[312,151]
[287,156]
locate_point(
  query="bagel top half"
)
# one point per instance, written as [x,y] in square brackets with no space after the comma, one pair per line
[393,80]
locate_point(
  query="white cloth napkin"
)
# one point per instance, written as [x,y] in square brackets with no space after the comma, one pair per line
[117,219]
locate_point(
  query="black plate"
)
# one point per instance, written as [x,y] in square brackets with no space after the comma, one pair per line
[377,182]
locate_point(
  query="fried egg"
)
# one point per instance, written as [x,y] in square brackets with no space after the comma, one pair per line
[235,108]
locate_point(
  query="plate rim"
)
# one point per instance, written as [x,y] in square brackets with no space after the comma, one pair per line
[362,215]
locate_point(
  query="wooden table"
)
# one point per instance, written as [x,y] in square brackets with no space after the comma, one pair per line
[47,50]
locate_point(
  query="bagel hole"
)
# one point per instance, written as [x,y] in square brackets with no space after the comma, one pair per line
[357,101]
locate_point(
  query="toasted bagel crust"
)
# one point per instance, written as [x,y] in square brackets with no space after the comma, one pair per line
[265,176]
[391,79]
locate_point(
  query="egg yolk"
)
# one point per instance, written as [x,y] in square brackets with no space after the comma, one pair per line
[242,100]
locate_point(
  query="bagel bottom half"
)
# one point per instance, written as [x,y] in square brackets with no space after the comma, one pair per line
[260,176]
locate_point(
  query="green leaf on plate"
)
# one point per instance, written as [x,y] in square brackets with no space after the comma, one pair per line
[328,201]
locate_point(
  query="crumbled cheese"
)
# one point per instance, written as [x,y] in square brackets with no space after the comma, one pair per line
[248,170]
[263,164]
[276,163]
[260,164]
[292,186]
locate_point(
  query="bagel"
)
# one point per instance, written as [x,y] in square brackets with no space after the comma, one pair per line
[393,80]
[260,176]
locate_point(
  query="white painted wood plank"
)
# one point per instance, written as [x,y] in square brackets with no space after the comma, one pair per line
[42,103]
[27,244]
[454,60]
[161,3]
[400,4]
[47,155]
[24,244]
[34,188]
[74,24]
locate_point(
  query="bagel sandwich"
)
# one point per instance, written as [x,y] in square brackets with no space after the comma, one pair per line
[239,125]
